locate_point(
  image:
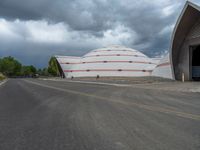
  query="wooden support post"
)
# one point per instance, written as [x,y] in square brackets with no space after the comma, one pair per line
[183,77]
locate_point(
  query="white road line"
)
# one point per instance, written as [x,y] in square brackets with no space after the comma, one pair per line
[89,82]
[102,83]
[3,82]
[142,106]
[140,85]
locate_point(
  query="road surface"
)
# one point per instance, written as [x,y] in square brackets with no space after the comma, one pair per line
[54,115]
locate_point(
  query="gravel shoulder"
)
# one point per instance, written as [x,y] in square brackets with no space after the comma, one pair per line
[139,82]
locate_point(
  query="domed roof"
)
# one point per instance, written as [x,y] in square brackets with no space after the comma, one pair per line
[114,60]
[113,50]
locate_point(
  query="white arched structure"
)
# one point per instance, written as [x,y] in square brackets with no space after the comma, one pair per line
[109,61]
[185,40]
[163,69]
[184,57]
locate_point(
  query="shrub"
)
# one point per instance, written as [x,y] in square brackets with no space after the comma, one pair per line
[2,76]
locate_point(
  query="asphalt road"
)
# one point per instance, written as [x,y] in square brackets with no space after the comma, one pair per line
[54,115]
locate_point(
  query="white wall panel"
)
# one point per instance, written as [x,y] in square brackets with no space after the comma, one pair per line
[109,61]
[163,69]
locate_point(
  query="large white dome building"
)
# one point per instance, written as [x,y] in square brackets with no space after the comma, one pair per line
[110,61]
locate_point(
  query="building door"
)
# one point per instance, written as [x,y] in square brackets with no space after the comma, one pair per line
[195,68]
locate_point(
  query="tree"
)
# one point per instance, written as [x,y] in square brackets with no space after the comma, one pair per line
[33,69]
[10,66]
[53,67]
[39,71]
[28,70]
[45,72]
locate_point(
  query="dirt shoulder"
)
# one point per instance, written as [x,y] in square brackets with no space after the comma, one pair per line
[125,80]
[139,82]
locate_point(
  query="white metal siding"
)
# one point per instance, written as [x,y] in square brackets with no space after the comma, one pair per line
[109,61]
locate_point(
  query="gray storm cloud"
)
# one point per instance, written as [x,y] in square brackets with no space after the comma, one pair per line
[31,29]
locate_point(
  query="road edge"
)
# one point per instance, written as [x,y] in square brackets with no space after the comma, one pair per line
[3,82]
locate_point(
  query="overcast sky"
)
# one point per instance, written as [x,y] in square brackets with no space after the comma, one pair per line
[34,30]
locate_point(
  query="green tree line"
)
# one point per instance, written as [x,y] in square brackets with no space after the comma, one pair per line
[11,67]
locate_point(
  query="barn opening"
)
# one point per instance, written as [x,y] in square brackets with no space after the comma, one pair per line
[195,65]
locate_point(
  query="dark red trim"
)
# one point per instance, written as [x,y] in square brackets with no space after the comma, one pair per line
[112,55]
[139,62]
[103,70]
[113,50]
[163,64]
[69,57]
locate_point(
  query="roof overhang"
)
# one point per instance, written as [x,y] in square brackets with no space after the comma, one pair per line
[186,20]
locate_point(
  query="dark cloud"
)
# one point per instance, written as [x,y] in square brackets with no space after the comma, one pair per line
[147,25]
[92,15]
[80,15]
[30,53]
